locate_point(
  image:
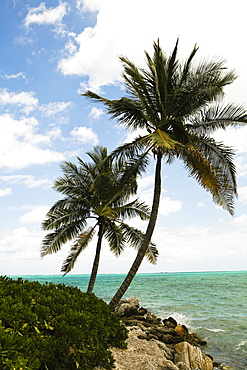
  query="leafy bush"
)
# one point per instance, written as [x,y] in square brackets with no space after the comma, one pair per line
[55,327]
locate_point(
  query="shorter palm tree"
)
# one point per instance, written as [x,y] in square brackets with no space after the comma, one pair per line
[96,191]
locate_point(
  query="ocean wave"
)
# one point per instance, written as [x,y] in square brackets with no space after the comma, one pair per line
[180,318]
[241,343]
[214,330]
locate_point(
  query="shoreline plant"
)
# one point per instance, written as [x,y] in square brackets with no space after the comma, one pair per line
[55,327]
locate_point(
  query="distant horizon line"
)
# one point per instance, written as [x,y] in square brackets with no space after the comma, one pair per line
[139,273]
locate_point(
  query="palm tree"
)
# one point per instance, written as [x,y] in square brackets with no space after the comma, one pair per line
[95,191]
[178,104]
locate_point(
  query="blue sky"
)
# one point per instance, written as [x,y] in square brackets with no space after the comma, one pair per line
[53,51]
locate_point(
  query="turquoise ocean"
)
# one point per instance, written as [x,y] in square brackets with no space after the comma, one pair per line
[211,304]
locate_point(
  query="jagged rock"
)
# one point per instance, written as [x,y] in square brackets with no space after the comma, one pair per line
[162,330]
[138,317]
[170,322]
[168,352]
[195,340]
[128,307]
[192,356]
[141,354]
[152,319]
[130,322]
[182,330]
[164,334]
[133,301]
[182,366]
[142,311]
[169,365]
[152,342]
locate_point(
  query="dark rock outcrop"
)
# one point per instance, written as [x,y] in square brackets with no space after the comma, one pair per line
[167,331]
[178,345]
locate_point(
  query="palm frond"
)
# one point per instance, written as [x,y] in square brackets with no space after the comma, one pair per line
[74,186]
[134,238]
[98,154]
[140,92]
[80,244]
[66,211]
[152,253]
[203,85]
[186,68]
[135,208]
[217,117]
[209,177]
[107,212]
[115,238]
[53,241]
[220,157]
[128,151]
[126,184]
[162,140]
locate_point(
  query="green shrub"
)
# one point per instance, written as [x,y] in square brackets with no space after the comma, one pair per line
[55,327]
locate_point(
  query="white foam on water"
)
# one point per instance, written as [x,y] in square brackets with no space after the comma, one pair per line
[214,330]
[180,318]
[242,343]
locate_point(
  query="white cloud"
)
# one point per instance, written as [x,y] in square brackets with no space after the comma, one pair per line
[20,253]
[35,216]
[43,16]
[111,37]
[85,135]
[55,108]
[242,192]
[97,48]
[88,5]
[14,76]
[13,242]
[198,248]
[132,135]
[85,59]
[166,206]
[145,182]
[235,137]
[241,165]
[24,99]
[200,204]
[96,113]
[241,220]
[20,144]
[6,191]
[28,180]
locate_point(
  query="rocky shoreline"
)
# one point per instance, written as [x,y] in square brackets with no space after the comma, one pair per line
[156,344]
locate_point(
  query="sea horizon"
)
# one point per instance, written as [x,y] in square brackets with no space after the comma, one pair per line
[125,273]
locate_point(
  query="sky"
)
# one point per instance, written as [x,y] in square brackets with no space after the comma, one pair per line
[52,52]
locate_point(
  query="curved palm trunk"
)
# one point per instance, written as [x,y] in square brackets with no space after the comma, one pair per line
[147,238]
[96,260]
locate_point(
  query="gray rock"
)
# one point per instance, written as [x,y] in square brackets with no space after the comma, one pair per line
[183,366]
[168,352]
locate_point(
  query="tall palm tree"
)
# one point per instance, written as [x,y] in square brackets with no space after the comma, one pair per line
[96,191]
[178,104]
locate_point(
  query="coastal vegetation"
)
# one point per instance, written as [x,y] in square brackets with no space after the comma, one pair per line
[177,106]
[55,327]
[96,192]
